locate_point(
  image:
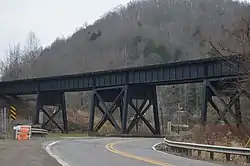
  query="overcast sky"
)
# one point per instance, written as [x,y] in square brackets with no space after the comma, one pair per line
[47,18]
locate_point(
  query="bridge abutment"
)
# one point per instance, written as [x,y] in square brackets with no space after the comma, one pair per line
[122,97]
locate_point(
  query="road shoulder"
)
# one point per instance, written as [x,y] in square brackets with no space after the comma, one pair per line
[25,153]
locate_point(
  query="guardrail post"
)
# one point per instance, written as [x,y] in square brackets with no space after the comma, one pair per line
[199,153]
[248,159]
[182,151]
[186,151]
[212,155]
[227,157]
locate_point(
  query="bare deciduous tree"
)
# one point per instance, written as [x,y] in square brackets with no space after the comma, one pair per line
[11,63]
[32,49]
[18,61]
[237,43]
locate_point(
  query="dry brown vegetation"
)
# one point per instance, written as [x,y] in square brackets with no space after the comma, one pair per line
[79,122]
[223,135]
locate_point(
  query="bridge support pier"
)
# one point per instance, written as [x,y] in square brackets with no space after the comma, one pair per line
[52,99]
[122,97]
[226,89]
[100,97]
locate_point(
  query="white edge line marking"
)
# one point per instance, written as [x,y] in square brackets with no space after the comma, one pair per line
[159,151]
[58,159]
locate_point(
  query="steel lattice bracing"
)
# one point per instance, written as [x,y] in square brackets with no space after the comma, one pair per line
[122,97]
[228,89]
[52,99]
[163,74]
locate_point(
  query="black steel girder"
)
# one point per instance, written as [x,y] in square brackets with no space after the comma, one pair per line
[162,74]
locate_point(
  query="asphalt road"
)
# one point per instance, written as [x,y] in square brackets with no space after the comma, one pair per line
[118,152]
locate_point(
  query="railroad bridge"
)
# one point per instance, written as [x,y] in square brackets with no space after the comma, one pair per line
[121,86]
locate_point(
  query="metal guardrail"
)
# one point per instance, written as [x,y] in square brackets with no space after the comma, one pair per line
[39,131]
[188,147]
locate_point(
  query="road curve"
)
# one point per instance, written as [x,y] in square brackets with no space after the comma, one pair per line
[117,151]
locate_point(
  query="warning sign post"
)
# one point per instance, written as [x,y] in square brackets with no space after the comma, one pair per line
[13,113]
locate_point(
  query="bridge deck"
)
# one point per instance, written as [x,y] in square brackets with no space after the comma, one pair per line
[162,74]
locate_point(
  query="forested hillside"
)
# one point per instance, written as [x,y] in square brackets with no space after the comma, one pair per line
[140,33]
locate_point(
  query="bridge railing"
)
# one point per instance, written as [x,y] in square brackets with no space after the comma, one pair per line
[187,148]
